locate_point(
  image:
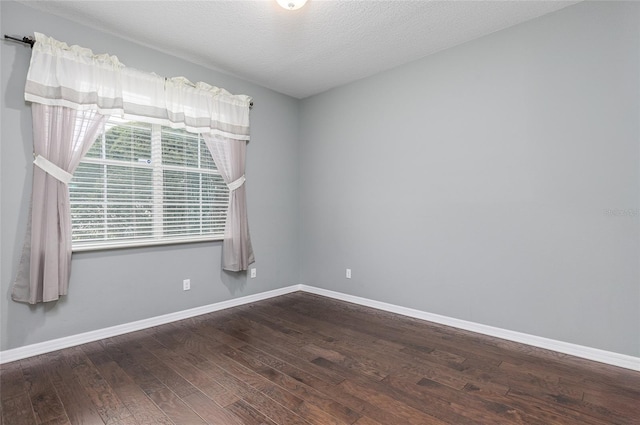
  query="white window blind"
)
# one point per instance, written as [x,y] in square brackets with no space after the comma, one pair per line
[143,184]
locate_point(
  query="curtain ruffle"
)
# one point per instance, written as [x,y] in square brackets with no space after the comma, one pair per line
[75,77]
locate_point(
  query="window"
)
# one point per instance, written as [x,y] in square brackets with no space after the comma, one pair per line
[144,184]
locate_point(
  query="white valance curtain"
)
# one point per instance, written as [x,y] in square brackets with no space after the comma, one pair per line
[72,92]
[74,77]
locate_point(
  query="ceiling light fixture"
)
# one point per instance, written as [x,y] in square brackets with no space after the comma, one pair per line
[292,4]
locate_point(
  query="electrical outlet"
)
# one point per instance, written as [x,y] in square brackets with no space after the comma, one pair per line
[186,284]
[348,274]
[253,273]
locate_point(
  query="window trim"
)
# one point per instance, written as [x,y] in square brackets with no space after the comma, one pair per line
[158,199]
[112,246]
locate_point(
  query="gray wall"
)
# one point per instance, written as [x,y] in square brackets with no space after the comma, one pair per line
[477,183]
[114,287]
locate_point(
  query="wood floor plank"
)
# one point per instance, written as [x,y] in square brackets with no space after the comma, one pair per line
[140,375]
[161,371]
[450,411]
[248,414]
[216,367]
[60,420]
[488,348]
[183,362]
[210,411]
[12,382]
[335,392]
[295,386]
[18,410]
[44,399]
[382,325]
[77,405]
[432,364]
[366,421]
[175,408]
[135,399]
[102,396]
[302,359]
[431,409]
[301,402]
[548,387]
[559,412]
[287,355]
[616,401]
[401,412]
[256,389]
[354,403]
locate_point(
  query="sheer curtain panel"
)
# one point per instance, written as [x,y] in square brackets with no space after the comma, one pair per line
[72,91]
[61,137]
[229,156]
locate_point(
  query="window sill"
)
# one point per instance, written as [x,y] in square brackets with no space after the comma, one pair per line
[104,246]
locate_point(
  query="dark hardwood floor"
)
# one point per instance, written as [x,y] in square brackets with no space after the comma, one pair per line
[305,359]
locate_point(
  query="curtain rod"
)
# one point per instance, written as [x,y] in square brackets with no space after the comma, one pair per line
[26,40]
[30,41]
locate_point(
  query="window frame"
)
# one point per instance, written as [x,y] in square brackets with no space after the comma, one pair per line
[159,189]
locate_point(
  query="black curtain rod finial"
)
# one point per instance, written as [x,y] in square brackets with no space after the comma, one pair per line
[26,40]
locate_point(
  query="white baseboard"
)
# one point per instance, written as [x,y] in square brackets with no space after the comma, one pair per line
[83,338]
[602,356]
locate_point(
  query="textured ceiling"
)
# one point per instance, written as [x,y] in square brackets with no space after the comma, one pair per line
[300,53]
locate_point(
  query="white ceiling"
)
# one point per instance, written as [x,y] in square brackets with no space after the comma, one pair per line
[325,44]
